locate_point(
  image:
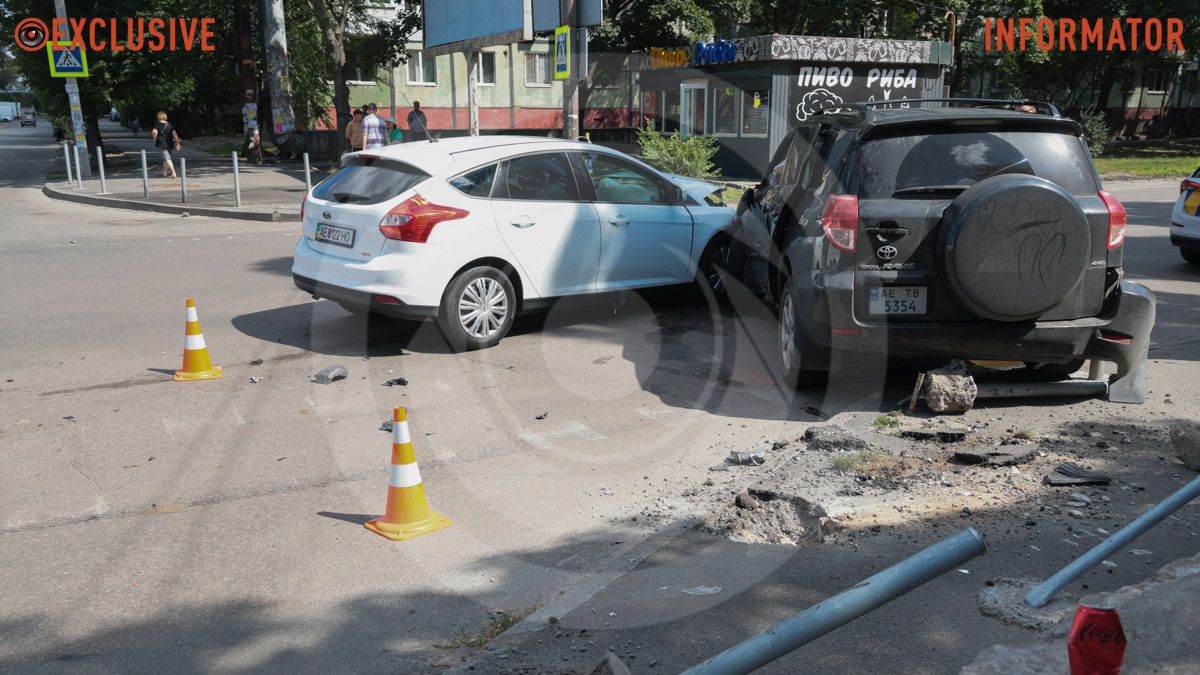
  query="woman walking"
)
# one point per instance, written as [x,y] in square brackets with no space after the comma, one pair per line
[165,139]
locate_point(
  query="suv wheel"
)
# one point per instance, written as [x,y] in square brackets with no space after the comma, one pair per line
[793,341]
[477,309]
[1190,255]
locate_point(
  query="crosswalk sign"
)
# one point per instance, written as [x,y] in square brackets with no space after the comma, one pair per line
[66,60]
[562,52]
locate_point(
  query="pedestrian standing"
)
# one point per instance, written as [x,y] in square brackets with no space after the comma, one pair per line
[166,138]
[354,132]
[417,123]
[375,134]
[395,135]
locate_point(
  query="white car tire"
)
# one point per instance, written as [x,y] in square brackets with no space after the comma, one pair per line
[477,309]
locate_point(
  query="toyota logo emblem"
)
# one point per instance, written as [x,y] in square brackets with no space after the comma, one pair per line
[887,252]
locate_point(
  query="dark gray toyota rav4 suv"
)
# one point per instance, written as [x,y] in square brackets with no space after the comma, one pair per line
[949,229]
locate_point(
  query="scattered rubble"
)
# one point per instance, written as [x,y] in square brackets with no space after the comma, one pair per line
[754,457]
[950,388]
[768,514]
[833,437]
[1073,474]
[1001,454]
[400,381]
[1004,599]
[331,374]
[946,435]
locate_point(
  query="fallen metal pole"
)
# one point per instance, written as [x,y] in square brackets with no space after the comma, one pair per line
[307,175]
[183,177]
[145,177]
[237,182]
[67,156]
[100,167]
[846,606]
[1041,594]
[1035,389]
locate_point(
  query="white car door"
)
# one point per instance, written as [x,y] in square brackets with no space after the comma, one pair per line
[646,239]
[553,235]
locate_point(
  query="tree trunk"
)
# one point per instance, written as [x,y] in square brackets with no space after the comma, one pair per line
[335,44]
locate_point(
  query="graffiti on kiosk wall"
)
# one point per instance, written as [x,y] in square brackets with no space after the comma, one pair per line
[823,87]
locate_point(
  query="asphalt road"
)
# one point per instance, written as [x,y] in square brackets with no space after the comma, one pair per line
[151,526]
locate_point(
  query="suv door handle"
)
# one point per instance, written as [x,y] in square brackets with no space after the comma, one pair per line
[522,223]
[619,221]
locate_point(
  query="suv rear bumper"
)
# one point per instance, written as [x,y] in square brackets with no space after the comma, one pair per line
[361,300]
[1120,333]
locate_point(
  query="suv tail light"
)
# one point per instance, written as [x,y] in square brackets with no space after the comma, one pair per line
[1116,219]
[413,219]
[839,219]
[1188,184]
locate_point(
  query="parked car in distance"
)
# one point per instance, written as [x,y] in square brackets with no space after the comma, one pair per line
[1185,219]
[956,229]
[471,232]
[28,120]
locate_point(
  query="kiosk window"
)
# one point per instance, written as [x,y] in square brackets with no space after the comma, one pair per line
[755,109]
[725,110]
[671,113]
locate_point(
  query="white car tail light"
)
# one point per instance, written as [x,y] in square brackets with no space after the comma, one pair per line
[839,219]
[1117,219]
[303,203]
[414,218]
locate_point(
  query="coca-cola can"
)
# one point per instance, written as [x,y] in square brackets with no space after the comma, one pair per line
[1096,645]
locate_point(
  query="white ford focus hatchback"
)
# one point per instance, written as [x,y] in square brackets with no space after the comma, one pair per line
[473,231]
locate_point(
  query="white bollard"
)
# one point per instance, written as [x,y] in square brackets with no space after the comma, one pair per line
[145,177]
[237,182]
[307,175]
[78,170]
[67,157]
[183,177]
[100,166]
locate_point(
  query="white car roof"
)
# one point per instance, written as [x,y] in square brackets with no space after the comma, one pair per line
[461,152]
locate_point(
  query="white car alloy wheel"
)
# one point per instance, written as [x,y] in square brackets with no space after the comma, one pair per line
[482,308]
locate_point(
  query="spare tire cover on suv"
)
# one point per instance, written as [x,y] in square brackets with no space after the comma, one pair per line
[1013,246]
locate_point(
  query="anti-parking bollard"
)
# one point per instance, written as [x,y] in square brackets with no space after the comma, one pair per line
[183,177]
[237,182]
[100,167]
[145,177]
[307,175]
[67,157]
[78,170]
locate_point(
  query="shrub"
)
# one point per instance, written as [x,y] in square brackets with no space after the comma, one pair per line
[687,156]
[1096,130]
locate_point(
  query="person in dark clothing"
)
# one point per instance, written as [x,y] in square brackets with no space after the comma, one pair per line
[165,139]
[417,123]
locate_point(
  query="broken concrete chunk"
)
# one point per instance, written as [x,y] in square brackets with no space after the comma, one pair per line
[1002,454]
[401,381]
[1185,436]
[832,437]
[771,514]
[950,388]
[331,374]
[753,457]
[951,435]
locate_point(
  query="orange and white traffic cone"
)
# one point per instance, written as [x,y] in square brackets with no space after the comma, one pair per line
[196,365]
[408,513]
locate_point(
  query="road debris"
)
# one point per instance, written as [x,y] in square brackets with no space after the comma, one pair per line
[1185,437]
[1073,474]
[702,590]
[753,457]
[1004,599]
[950,388]
[947,435]
[766,513]
[1001,454]
[541,416]
[256,362]
[255,380]
[399,381]
[331,374]
[832,438]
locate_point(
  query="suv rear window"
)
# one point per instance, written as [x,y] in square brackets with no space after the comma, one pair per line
[369,180]
[963,158]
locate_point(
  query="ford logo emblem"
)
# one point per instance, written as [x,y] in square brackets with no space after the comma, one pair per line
[887,252]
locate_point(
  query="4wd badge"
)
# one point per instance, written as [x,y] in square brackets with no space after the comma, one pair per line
[886,252]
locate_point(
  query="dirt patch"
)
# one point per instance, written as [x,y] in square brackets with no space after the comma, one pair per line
[764,514]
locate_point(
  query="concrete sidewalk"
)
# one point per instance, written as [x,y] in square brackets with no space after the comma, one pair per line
[271,192]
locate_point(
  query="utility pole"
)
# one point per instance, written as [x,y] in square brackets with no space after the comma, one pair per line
[570,86]
[72,87]
[275,58]
[246,60]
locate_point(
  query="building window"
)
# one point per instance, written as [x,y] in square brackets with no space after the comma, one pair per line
[725,110]
[1156,81]
[670,110]
[650,112]
[487,68]
[422,70]
[537,69]
[755,112]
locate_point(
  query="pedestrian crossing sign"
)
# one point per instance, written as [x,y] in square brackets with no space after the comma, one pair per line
[562,52]
[67,60]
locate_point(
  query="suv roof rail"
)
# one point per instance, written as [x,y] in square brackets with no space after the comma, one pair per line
[862,107]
